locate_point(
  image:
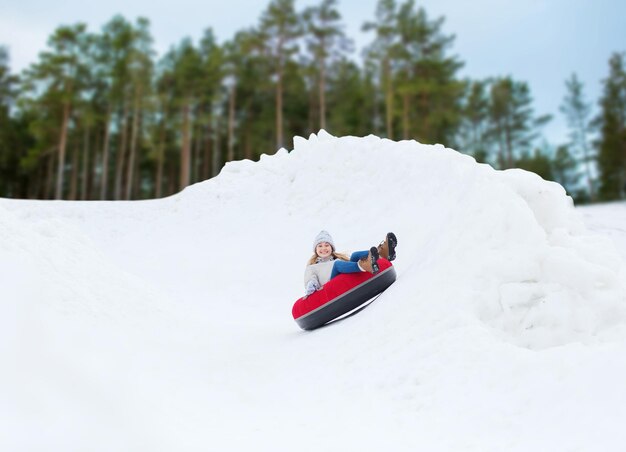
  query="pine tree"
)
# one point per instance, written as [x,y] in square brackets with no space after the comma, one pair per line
[7,83]
[513,124]
[426,77]
[251,71]
[381,54]
[116,56]
[350,101]
[87,118]
[61,70]
[212,92]
[9,157]
[326,43]
[577,112]
[103,73]
[475,121]
[411,52]
[42,112]
[188,71]
[537,162]
[612,125]
[565,171]
[165,124]
[296,105]
[279,30]
[141,73]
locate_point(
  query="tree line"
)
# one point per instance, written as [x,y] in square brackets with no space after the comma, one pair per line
[99,116]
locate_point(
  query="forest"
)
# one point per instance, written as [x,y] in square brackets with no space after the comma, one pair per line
[99,116]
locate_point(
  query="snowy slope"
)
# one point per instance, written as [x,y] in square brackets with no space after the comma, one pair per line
[165,325]
[609,220]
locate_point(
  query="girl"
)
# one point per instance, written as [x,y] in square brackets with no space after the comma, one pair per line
[326,263]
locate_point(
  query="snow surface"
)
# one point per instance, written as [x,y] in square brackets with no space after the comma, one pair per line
[166,324]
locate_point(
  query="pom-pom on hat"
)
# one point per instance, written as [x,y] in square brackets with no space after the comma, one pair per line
[323,236]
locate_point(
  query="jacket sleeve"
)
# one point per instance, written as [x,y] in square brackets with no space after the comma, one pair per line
[309,272]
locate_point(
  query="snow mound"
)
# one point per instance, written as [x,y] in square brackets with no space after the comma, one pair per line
[505,248]
[501,249]
[51,263]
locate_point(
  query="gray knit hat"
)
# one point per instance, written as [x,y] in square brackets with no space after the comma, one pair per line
[323,236]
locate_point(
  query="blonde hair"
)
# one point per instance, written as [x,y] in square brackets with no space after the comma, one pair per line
[335,255]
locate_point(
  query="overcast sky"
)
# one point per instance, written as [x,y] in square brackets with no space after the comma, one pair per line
[541,42]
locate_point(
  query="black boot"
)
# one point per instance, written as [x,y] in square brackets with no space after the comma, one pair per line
[387,248]
[370,263]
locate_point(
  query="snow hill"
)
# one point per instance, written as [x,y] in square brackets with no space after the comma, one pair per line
[166,325]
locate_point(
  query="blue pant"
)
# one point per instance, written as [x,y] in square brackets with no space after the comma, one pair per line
[348,267]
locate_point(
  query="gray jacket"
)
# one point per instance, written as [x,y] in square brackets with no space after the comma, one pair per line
[322,270]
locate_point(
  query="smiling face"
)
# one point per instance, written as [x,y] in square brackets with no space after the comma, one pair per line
[323,249]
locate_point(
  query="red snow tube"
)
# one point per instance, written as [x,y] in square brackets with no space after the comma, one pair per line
[341,295]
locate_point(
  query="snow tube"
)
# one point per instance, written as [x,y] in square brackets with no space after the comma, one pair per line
[341,295]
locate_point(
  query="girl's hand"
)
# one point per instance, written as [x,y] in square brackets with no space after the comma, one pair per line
[312,286]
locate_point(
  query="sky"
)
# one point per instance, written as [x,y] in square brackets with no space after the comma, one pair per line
[540,42]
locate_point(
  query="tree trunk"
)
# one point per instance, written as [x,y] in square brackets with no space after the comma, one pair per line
[136,193]
[130,172]
[231,125]
[592,194]
[279,109]
[388,98]
[405,116]
[313,99]
[185,154]
[34,182]
[622,144]
[279,95]
[509,149]
[216,150]
[160,161]
[248,148]
[94,158]
[171,182]
[322,94]
[501,144]
[197,151]
[585,146]
[40,186]
[62,146]
[75,171]
[207,149]
[49,186]
[425,119]
[121,154]
[105,156]
[85,178]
